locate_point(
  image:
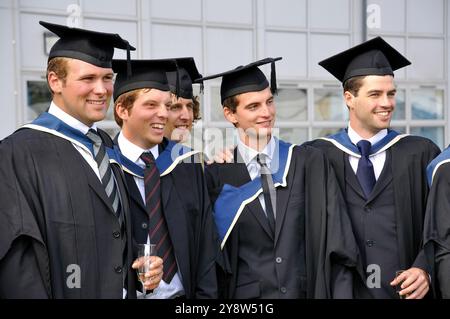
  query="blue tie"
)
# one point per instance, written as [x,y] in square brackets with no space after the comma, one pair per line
[364,173]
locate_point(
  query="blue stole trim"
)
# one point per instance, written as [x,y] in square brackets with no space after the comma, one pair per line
[232,200]
[49,123]
[168,159]
[342,141]
[439,160]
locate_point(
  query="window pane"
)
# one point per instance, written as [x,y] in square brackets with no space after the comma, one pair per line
[294,135]
[216,105]
[38,98]
[291,104]
[399,113]
[436,134]
[427,104]
[329,105]
[322,132]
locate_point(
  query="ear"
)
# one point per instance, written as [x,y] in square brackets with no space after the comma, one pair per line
[55,83]
[230,115]
[349,100]
[121,111]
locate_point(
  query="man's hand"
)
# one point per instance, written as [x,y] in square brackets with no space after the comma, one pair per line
[223,156]
[414,283]
[154,275]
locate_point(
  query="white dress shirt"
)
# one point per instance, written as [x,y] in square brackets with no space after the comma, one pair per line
[377,160]
[83,128]
[254,169]
[133,153]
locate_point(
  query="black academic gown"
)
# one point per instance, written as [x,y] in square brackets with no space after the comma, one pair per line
[57,223]
[311,227]
[437,231]
[187,209]
[409,158]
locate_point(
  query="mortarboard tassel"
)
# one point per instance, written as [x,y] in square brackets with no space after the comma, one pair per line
[177,89]
[273,78]
[128,61]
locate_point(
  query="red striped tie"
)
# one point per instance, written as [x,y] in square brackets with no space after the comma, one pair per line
[158,230]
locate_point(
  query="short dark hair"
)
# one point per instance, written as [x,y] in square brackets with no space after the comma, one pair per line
[231,103]
[354,84]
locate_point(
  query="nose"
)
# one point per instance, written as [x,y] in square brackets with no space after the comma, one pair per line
[184,114]
[163,113]
[265,110]
[387,101]
[100,88]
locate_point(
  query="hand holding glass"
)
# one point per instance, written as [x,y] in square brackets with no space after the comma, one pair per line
[144,253]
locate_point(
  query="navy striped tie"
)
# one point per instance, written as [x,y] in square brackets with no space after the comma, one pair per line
[106,173]
[158,230]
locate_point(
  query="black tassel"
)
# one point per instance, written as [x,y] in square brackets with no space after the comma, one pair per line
[273,78]
[177,89]
[202,87]
[128,61]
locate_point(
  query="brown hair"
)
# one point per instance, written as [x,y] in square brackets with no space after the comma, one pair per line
[196,108]
[127,100]
[354,84]
[231,103]
[59,66]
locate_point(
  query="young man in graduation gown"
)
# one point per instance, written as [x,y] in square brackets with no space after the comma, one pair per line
[65,225]
[169,201]
[381,173]
[437,224]
[185,108]
[278,209]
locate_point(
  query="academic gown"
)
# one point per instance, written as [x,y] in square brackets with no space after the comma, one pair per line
[59,237]
[409,159]
[187,209]
[311,195]
[437,229]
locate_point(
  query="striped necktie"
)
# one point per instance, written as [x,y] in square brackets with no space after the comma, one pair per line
[158,230]
[106,173]
[269,191]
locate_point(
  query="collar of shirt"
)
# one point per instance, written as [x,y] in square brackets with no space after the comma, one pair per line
[69,119]
[249,156]
[133,152]
[355,137]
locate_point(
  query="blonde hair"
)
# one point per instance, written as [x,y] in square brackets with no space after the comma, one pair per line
[59,66]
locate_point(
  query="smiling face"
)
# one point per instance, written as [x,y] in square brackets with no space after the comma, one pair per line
[143,123]
[372,108]
[85,92]
[254,116]
[180,119]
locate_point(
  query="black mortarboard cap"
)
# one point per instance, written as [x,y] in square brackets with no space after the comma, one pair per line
[187,74]
[248,78]
[373,57]
[144,74]
[93,47]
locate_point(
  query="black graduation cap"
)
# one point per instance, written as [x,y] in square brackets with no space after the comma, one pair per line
[248,78]
[96,48]
[373,57]
[139,74]
[188,73]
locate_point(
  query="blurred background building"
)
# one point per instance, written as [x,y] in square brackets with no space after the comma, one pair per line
[221,35]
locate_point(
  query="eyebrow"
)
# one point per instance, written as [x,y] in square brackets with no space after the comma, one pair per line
[381,91]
